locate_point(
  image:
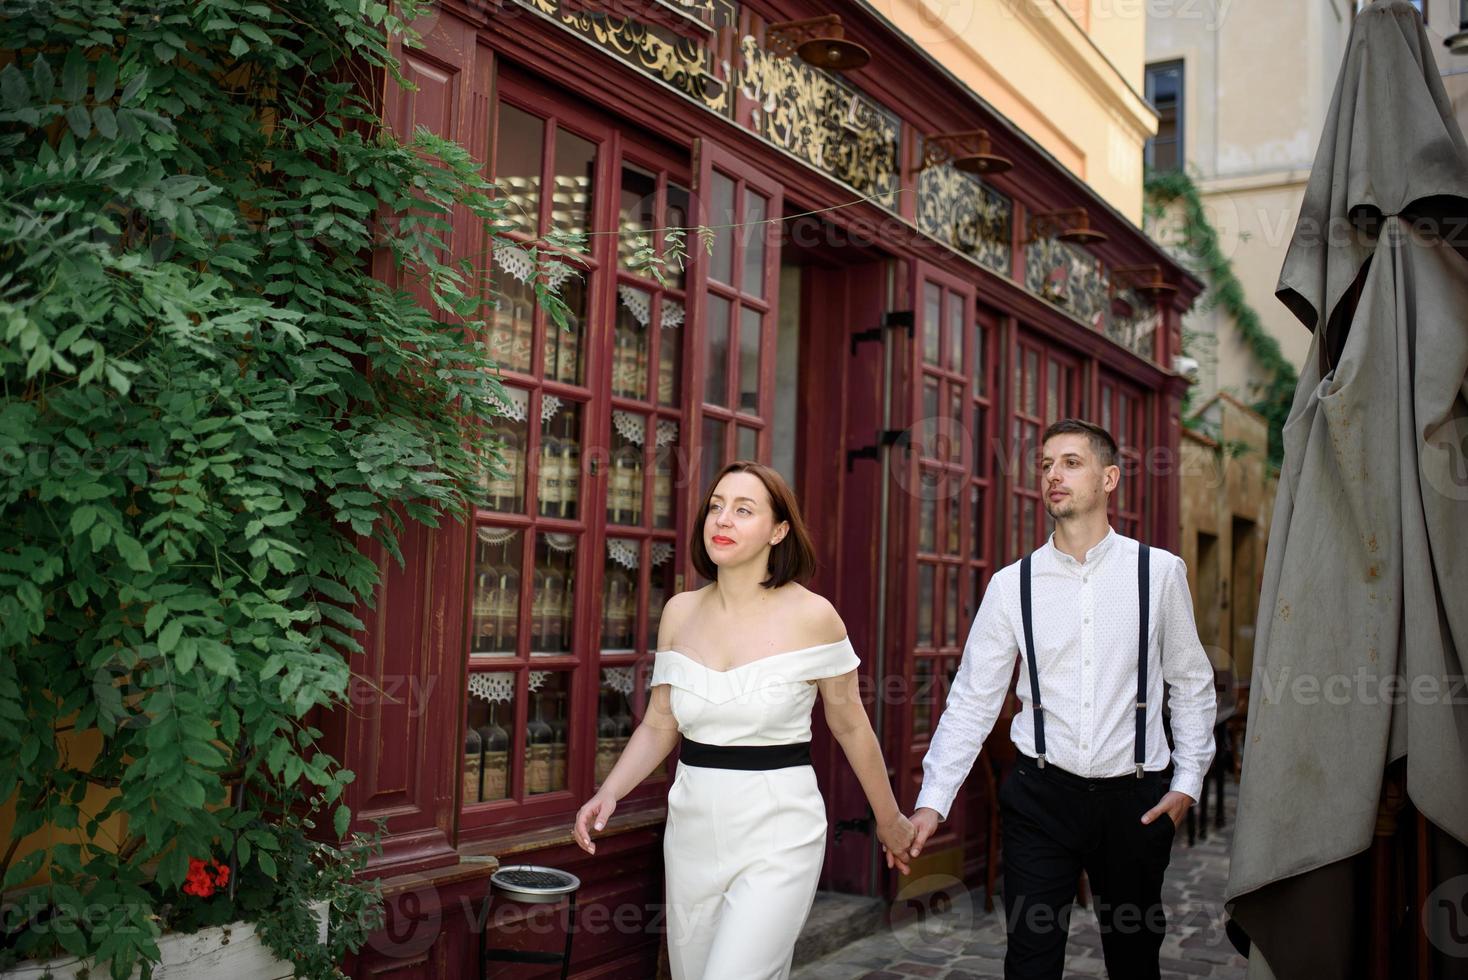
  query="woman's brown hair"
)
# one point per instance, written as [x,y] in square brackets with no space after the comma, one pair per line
[793,559]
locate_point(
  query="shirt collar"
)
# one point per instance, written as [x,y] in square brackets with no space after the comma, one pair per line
[1098,550]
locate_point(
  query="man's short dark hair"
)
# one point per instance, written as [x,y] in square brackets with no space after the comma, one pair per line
[1102,444]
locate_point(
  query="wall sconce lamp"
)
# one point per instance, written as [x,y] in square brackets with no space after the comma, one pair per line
[1145,279]
[1067,224]
[819,41]
[969,151]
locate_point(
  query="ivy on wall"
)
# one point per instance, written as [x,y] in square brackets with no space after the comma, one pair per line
[208,403]
[1201,246]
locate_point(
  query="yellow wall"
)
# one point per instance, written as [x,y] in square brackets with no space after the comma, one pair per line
[1066,72]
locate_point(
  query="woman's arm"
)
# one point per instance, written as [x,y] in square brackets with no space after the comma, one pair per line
[649,745]
[847,719]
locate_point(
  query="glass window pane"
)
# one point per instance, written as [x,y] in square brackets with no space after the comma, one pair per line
[575,171]
[748,446]
[619,599]
[954,508]
[547,731]
[1017,385]
[1031,526]
[750,337]
[663,587]
[517,162]
[955,332]
[637,217]
[932,325]
[675,215]
[553,595]
[1014,545]
[558,480]
[981,362]
[666,458]
[1052,394]
[721,220]
[614,721]
[925,598]
[716,390]
[922,696]
[1106,408]
[670,351]
[495,625]
[756,232]
[487,741]
[954,574]
[1032,455]
[512,321]
[562,345]
[1032,382]
[955,412]
[713,452]
[504,472]
[629,342]
[929,425]
[624,470]
[981,442]
[928,524]
[976,523]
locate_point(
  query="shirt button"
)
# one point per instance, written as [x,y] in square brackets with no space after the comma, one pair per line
[1085,704]
[1085,746]
[1087,620]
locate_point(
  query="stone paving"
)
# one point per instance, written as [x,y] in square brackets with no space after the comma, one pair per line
[964,941]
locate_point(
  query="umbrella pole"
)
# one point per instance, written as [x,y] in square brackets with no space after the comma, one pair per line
[1383,881]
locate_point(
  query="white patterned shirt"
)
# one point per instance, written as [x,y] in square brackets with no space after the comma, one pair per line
[1085,621]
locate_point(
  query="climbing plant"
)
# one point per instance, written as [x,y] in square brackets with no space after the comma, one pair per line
[209,404]
[1200,244]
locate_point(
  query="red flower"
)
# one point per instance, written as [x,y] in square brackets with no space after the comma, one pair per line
[204,879]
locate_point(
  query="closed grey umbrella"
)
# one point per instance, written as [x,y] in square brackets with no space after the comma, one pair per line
[1363,615]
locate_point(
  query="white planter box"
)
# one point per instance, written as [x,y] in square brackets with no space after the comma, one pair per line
[230,952]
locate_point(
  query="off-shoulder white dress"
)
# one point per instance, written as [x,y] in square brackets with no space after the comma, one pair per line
[743,850]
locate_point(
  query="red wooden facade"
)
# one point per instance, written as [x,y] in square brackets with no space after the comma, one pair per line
[899,384]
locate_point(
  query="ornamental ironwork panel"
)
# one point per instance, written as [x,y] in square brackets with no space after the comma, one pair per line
[1070,277]
[823,120]
[963,212]
[686,65]
[1132,320]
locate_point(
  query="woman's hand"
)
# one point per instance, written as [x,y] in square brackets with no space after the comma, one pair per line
[896,834]
[594,813]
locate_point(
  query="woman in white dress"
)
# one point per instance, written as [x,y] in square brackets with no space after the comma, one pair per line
[738,666]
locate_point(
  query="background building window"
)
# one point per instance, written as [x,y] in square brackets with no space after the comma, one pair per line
[1165,92]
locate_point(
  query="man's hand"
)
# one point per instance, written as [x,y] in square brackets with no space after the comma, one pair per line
[1174,804]
[924,822]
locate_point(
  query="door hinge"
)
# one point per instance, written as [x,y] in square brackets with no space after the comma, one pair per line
[861,825]
[886,437]
[894,318]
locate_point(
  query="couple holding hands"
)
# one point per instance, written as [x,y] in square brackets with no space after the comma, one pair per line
[1095,786]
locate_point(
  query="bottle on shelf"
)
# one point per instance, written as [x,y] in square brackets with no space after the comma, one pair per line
[558,741]
[486,605]
[538,737]
[606,738]
[537,612]
[570,472]
[553,639]
[473,765]
[494,767]
[507,605]
[548,481]
[617,609]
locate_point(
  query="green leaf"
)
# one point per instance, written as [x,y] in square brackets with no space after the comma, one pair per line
[74,76]
[105,121]
[80,121]
[267,864]
[341,820]
[24,868]
[105,86]
[168,636]
[132,552]
[14,92]
[239,46]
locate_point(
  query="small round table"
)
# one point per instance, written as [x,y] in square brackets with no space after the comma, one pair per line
[533,885]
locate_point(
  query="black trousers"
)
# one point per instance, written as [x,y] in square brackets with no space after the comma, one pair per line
[1056,824]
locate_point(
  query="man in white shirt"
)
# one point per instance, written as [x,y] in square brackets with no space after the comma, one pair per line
[1095,787]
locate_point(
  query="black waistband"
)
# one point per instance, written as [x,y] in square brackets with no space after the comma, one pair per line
[1066,778]
[751,758]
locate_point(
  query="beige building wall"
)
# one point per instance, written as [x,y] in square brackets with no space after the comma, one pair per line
[1067,72]
[1258,77]
[1258,80]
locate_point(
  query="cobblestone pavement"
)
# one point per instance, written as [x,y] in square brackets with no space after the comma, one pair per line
[964,941]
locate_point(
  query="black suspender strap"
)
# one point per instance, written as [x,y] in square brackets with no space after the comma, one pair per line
[1027,614]
[1144,606]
